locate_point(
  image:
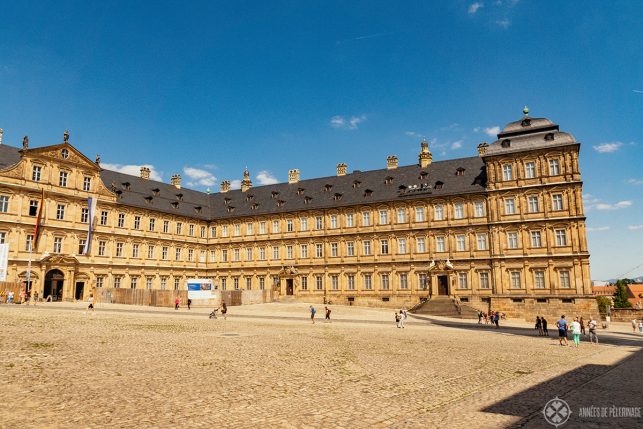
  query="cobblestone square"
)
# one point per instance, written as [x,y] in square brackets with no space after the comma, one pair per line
[268,366]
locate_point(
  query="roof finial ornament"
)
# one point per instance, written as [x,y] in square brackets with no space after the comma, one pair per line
[25,142]
[97,159]
[66,136]
[526,111]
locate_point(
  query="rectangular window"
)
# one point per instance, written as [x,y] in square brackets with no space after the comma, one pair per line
[512,240]
[333,221]
[484,280]
[224,282]
[439,212]
[507,172]
[84,215]
[384,247]
[460,242]
[121,220]
[350,221]
[401,246]
[262,227]
[482,241]
[262,283]
[81,246]
[29,243]
[148,282]
[319,282]
[119,250]
[367,247]
[368,282]
[177,283]
[224,230]
[33,207]
[248,283]
[117,282]
[515,279]
[462,281]
[275,226]
[191,230]
[289,252]
[384,282]
[262,253]
[318,250]
[533,204]
[419,214]
[101,248]
[554,167]
[152,224]
[164,251]
[422,281]
[303,223]
[564,279]
[557,202]
[135,250]
[439,244]
[530,170]
[177,254]
[459,210]
[62,179]
[213,231]
[249,254]
[236,255]
[383,217]
[510,206]
[133,282]
[163,282]
[166,226]
[478,208]
[366,218]
[137,222]
[60,212]
[150,251]
[203,231]
[421,244]
[235,283]
[290,225]
[250,228]
[536,239]
[319,223]
[404,281]
[275,252]
[100,281]
[87,183]
[191,255]
[224,255]
[350,248]
[333,250]
[334,282]
[35,173]
[539,279]
[350,282]
[103,217]
[179,227]
[213,255]
[561,237]
[303,251]
[401,215]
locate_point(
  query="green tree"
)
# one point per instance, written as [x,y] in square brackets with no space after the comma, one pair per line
[620,296]
[603,302]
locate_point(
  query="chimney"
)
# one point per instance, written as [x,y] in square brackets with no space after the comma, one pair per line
[225,186]
[391,162]
[145,173]
[425,158]
[482,148]
[341,169]
[175,180]
[0,135]
[293,176]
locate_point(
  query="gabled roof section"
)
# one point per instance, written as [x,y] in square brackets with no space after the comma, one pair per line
[9,156]
[55,152]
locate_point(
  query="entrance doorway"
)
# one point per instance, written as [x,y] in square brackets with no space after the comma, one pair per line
[54,281]
[80,286]
[443,285]
[290,288]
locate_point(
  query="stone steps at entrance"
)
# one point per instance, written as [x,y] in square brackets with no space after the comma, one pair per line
[444,306]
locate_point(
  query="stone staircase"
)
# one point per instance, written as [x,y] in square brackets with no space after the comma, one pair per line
[445,306]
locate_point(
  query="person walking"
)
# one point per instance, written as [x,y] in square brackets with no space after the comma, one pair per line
[544,323]
[189,304]
[539,326]
[582,325]
[91,303]
[403,317]
[641,327]
[575,328]
[397,319]
[633,325]
[479,317]
[327,314]
[496,319]
[224,309]
[10,298]
[177,301]
[312,314]
[35,298]
[562,330]
[592,330]
[23,294]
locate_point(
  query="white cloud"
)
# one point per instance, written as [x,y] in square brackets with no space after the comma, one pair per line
[266,178]
[199,177]
[635,182]
[235,184]
[414,134]
[134,170]
[456,145]
[492,131]
[504,23]
[608,147]
[598,229]
[635,227]
[473,7]
[351,123]
[620,205]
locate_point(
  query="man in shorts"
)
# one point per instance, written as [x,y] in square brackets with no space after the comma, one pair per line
[312,314]
[562,330]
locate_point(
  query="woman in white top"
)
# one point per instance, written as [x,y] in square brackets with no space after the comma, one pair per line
[575,328]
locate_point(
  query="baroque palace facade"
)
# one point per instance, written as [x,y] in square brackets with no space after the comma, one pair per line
[505,227]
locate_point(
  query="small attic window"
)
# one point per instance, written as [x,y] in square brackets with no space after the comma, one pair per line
[388,180]
[307,200]
[64,153]
[280,203]
[423,174]
[337,197]
[249,197]
[126,185]
[230,209]
[356,184]
[175,205]
[274,194]
[179,197]
[459,171]
[156,191]
[148,200]
[198,209]
[368,193]
[526,122]
[328,187]
[438,185]
[226,201]
[119,193]
[402,187]
[255,206]
[300,191]
[549,137]
[505,143]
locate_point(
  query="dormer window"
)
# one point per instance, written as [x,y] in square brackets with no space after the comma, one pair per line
[274,194]
[179,197]
[126,185]
[119,193]
[300,191]
[249,197]
[337,197]
[505,143]
[368,193]
[438,185]
[307,200]
[459,171]
[156,191]
[328,187]
[388,180]
[402,188]
[526,122]
[423,175]
[280,203]
[255,206]
[356,184]
[230,209]
[148,200]
[226,201]
[549,137]
[198,209]
[175,205]
[64,153]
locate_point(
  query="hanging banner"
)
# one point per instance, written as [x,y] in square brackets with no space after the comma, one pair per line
[200,289]
[4,261]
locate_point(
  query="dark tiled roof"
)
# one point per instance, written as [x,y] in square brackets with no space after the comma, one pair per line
[9,156]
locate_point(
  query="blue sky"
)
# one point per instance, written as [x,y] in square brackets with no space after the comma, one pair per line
[205,88]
